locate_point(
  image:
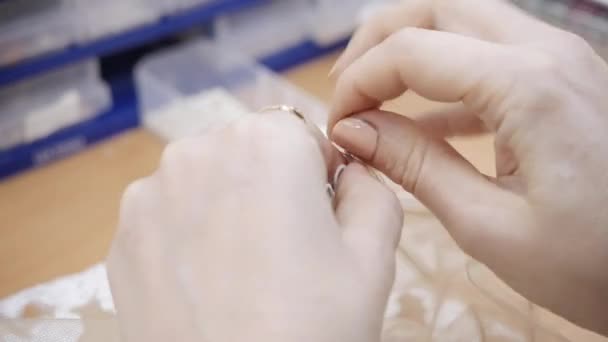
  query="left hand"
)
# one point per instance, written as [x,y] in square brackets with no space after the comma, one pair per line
[234,238]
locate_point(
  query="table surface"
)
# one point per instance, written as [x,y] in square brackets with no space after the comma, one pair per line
[59,219]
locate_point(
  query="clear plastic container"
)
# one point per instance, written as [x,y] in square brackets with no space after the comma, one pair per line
[96,19]
[335,20]
[30,28]
[280,24]
[35,108]
[266,29]
[181,5]
[190,88]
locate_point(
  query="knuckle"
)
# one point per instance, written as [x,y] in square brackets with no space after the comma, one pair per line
[257,129]
[131,195]
[172,154]
[284,135]
[186,154]
[541,64]
[569,50]
[541,82]
[403,39]
[407,168]
[266,135]
[131,245]
[268,126]
[169,156]
[573,45]
[576,42]
[130,208]
[413,166]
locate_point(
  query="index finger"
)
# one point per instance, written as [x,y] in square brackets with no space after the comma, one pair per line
[490,20]
[439,66]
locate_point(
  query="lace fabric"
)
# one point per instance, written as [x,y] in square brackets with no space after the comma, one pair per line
[439,294]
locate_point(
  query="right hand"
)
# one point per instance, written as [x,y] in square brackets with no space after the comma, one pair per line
[542,223]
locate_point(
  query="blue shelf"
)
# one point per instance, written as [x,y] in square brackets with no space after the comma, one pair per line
[124,116]
[136,37]
[69,141]
[300,53]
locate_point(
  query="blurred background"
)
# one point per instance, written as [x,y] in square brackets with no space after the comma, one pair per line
[91,91]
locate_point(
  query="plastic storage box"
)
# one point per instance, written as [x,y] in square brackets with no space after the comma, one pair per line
[187,90]
[334,20]
[35,108]
[97,19]
[281,24]
[266,29]
[181,5]
[30,28]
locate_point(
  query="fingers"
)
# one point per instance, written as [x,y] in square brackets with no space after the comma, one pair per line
[451,121]
[384,23]
[437,65]
[139,243]
[369,213]
[462,198]
[491,20]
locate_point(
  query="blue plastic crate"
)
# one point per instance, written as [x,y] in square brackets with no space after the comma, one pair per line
[124,114]
[136,37]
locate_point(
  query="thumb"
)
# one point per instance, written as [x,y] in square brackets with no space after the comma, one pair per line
[466,201]
[369,214]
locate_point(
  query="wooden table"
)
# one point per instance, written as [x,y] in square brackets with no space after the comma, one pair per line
[59,219]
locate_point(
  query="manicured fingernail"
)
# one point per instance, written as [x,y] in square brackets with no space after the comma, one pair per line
[357,137]
[338,175]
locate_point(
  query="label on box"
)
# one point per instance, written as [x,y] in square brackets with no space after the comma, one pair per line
[46,120]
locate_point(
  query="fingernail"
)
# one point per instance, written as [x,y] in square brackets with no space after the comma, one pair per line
[338,175]
[357,137]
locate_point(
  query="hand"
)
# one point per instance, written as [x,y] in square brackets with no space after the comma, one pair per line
[542,223]
[234,238]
